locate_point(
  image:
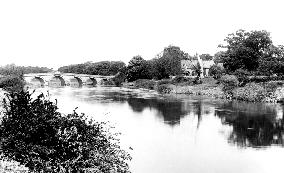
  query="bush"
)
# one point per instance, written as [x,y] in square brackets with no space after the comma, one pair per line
[145,83]
[229,83]
[12,83]
[216,71]
[251,92]
[164,89]
[165,81]
[119,78]
[180,79]
[243,76]
[36,135]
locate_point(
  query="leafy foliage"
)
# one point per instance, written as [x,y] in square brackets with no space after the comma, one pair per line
[245,49]
[273,61]
[12,69]
[171,58]
[206,57]
[120,76]
[216,71]
[12,83]
[137,69]
[251,92]
[105,68]
[229,83]
[35,134]
[145,83]
[243,76]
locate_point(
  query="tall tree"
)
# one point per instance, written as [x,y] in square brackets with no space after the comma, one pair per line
[137,69]
[171,60]
[245,49]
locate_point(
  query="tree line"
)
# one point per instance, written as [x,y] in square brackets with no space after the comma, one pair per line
[12,69]
[244,53]
[105,68]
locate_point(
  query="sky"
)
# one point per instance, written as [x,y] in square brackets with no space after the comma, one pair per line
[53,33]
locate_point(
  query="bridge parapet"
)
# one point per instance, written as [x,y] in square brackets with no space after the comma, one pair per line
[62,79]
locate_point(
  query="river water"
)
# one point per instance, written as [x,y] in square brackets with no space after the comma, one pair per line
[184,134]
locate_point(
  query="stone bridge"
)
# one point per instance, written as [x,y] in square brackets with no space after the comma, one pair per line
[64,79]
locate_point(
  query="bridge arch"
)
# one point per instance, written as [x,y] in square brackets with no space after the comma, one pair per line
[76,82]
[37,81]
[56,81]
[91,81]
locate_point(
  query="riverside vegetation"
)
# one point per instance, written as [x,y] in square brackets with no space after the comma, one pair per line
[36,137]
[252,70]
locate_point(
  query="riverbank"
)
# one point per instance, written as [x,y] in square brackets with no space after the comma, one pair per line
[272,92]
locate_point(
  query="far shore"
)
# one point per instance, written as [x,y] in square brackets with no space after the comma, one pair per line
[210,88]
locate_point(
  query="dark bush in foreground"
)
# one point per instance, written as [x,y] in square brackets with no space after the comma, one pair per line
[35,134]
[12,83]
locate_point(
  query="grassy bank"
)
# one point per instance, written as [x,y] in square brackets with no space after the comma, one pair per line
[270,91]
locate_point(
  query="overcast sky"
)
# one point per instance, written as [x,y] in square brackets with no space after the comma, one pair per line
[53,33]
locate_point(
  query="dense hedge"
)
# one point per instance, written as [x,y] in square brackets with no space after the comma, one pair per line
[35,134]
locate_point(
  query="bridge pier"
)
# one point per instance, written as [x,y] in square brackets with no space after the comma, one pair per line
[56,81]
[91,81]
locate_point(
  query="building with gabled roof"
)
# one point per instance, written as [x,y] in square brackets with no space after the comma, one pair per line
[189,66]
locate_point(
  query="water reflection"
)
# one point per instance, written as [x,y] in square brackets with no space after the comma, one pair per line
[254,125]
[170,110]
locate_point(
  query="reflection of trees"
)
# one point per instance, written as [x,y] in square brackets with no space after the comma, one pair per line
[254,125]
[171,110]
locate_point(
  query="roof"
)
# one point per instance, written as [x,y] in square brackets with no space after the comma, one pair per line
[188,64]
[208,64]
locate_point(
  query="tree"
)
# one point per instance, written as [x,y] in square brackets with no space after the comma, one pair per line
[206,57]
[171,60]
[219,56]
[273,61]
[137,68]
[105,68]
[157,69]
[245,49]
[216,71]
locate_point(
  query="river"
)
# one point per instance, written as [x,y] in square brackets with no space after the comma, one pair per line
[182,134]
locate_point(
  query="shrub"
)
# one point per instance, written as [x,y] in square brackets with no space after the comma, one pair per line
[35,134]
[119,78]
[251,92]
[12,83]
[180,79]
[165,81]
[145,83]
[216,71]
[229,83]
[164,89]
[209,81]
[243,76]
